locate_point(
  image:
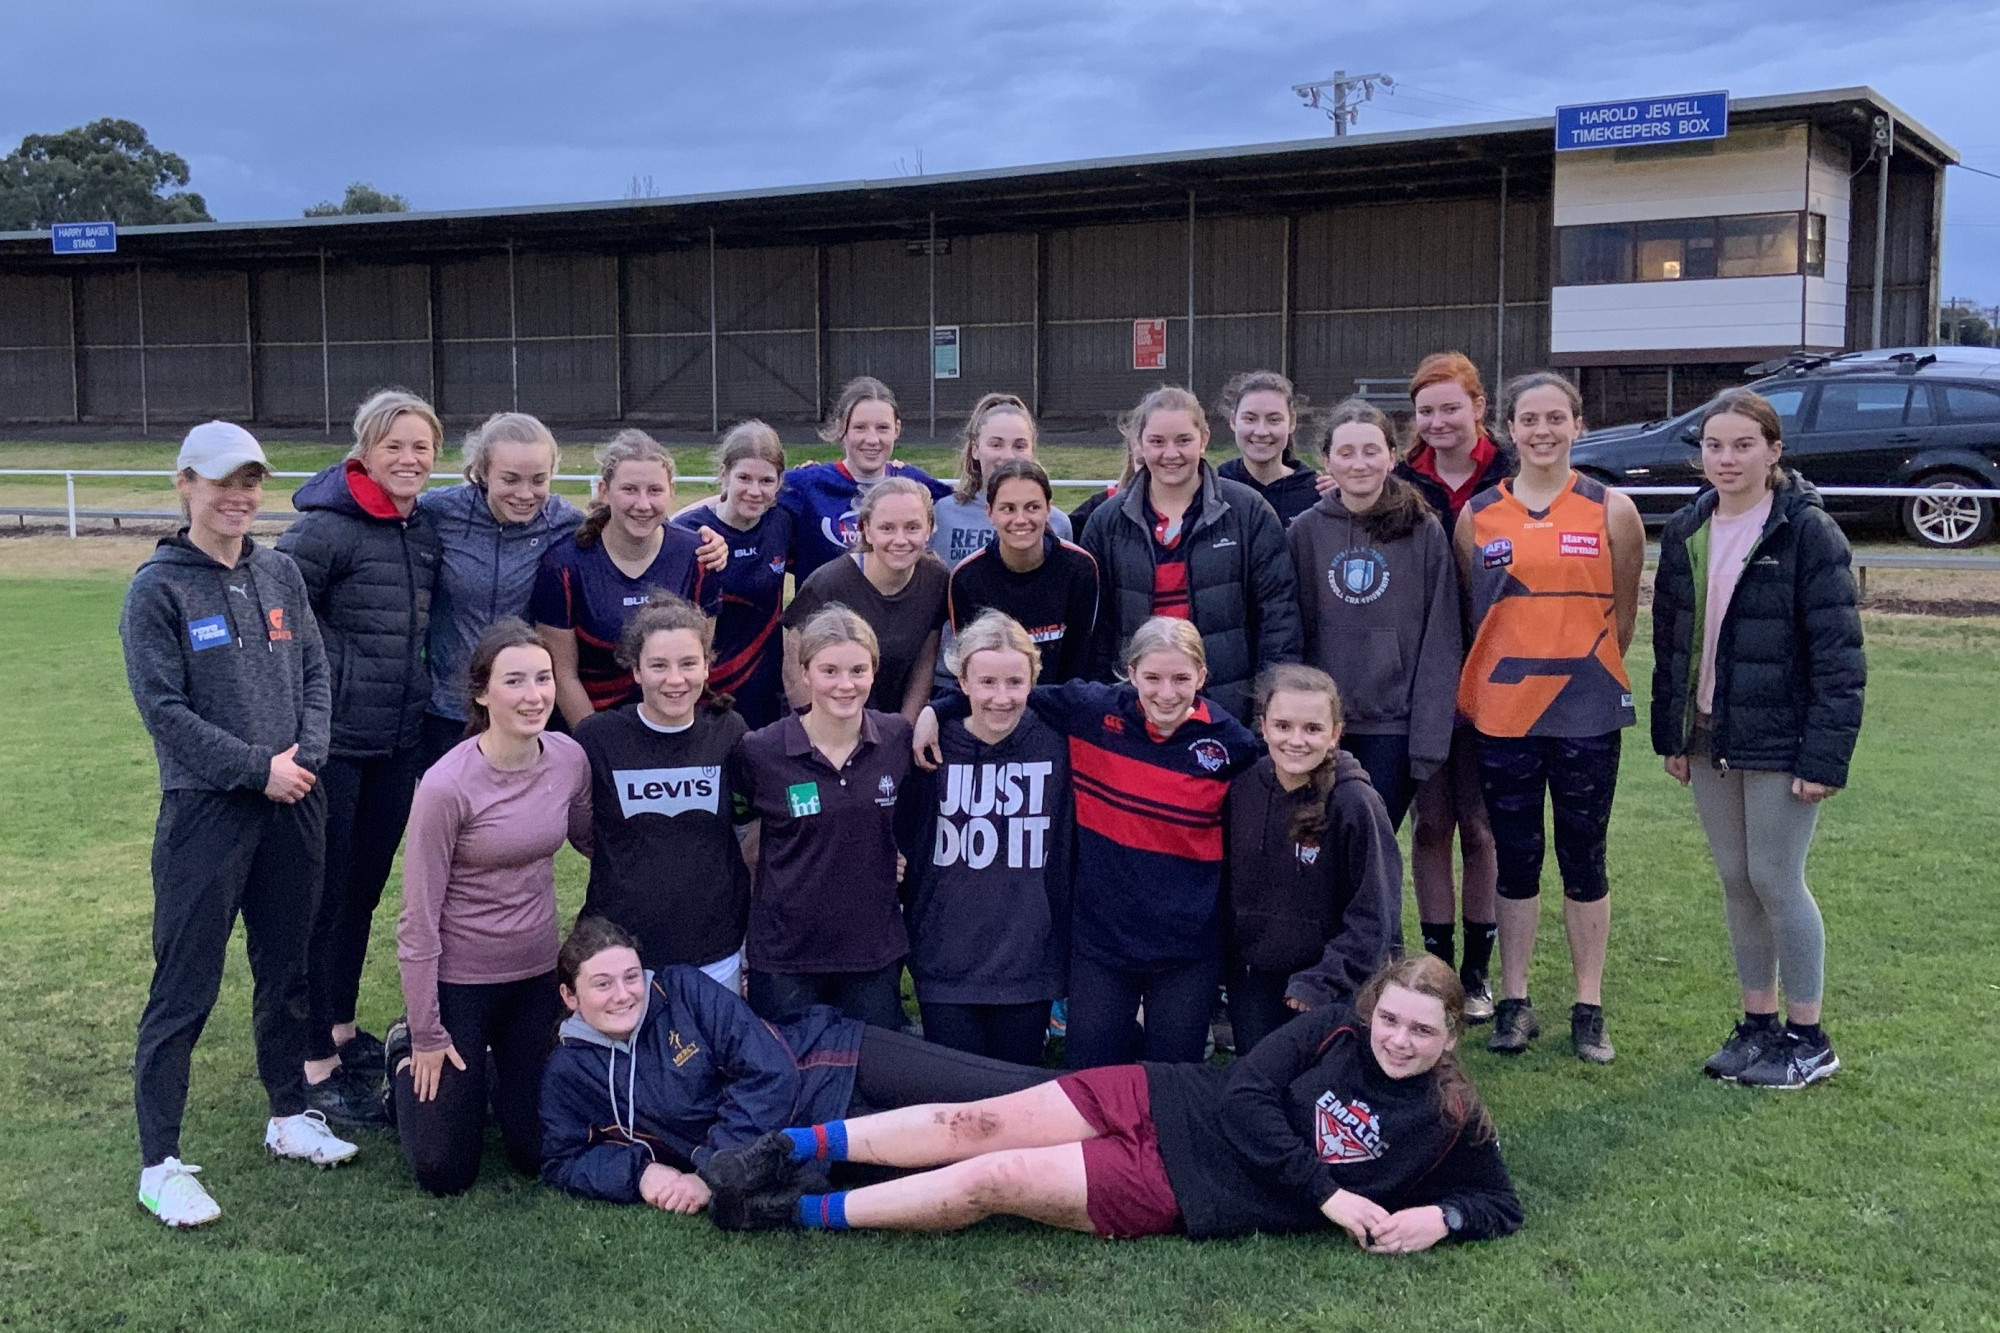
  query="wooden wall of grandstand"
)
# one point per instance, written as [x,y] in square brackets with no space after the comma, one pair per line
[1340,261]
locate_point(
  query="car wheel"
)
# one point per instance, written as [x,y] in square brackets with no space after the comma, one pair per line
[1948,522]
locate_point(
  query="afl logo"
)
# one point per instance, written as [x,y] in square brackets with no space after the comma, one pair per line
[844,531]
[1496,553]
[1359,575]
[1210,754]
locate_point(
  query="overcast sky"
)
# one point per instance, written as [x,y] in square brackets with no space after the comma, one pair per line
[278,104]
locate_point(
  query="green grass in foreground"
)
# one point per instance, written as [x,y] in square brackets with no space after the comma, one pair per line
[1655,1198]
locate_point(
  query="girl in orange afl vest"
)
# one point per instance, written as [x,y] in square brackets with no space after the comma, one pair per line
[1551,562]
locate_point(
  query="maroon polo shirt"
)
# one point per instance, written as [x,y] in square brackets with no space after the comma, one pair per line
[824,898]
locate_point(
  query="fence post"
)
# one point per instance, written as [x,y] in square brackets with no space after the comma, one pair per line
[69,487]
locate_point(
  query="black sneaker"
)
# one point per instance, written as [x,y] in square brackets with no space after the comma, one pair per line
[1586,1034]
[1478,997]
[364,1056]
[346,1100]
[755,1168]
[770,1210]
[1745,1046]
[1514,1026]
[1791,1062]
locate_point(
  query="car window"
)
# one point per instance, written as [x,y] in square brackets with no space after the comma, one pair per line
[1786,403]
[1921,412]
[1967,402]
[1861,406]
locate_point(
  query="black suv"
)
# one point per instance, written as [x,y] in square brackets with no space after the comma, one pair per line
[1912,416]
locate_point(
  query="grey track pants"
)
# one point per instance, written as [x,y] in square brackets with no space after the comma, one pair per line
[1759,834]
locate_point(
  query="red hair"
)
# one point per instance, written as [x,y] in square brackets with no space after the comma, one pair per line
[1447,367]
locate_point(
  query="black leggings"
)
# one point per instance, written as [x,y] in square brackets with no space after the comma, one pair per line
[895,1069]
[367,804]
[1104,1005]
[873,997]
[1015,1033]
[443,1137]
[1578,776]
[1257,1005]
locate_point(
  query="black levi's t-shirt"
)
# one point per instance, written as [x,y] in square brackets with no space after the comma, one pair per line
[666,865]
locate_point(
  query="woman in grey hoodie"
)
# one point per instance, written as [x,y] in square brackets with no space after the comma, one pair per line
[1378,595]
[227,669]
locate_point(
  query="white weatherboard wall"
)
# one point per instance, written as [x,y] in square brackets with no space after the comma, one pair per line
[1774,169]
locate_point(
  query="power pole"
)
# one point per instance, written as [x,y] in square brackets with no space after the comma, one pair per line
[1341,96]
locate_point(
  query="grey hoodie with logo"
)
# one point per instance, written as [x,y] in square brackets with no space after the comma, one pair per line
[226,665]
[1379,598]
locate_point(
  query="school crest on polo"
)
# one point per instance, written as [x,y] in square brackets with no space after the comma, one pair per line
[1358,575]
[1212,755]
[1346,1131]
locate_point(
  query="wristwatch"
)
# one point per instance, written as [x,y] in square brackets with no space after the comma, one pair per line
[1454,1217]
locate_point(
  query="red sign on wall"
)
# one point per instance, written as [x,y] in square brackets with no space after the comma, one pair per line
[1149,344]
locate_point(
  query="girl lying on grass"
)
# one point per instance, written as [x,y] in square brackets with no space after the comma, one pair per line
[656,1071]
[1359,1117]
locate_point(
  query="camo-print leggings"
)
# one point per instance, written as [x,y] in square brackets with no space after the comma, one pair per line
[1577,776]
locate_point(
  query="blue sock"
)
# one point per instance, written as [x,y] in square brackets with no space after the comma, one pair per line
[823,1212]
[820,1143]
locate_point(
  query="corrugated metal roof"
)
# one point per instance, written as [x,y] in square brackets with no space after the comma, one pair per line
[1529,138]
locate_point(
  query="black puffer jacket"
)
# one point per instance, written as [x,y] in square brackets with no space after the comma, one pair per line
[369,573]
[1789,667]
[1241,593]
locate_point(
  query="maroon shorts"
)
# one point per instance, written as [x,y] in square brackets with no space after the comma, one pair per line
[1126,1190]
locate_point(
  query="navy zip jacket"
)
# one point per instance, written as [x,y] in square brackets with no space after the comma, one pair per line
[1327,911]
[1262,1144]
[1789,667]
[990,866]
[1148,820]
[701,1072]
[369,572]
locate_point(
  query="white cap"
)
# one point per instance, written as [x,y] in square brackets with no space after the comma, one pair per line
[214,449]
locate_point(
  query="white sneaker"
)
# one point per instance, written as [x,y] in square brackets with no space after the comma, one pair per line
[305,1137]
[171,1193]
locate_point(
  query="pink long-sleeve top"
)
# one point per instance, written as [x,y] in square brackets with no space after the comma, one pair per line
[479,885]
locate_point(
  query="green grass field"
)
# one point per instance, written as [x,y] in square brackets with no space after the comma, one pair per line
[1655,1198]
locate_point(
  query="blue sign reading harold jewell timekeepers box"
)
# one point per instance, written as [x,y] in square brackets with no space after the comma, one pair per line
[83,238]
[1644,120]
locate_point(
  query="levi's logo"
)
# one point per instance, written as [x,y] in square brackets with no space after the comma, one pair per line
[1578,543]
[668,791]
[208,632]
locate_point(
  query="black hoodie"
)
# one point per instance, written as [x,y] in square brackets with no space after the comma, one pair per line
[1328,909]
[370,572]
[225,664]
[989,850]
[1261,1144]
[1289,496]
[1378,599]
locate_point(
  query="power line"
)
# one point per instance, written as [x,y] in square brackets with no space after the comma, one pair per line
[1341,96]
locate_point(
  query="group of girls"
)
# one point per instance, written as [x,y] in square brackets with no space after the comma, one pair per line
[1082,812]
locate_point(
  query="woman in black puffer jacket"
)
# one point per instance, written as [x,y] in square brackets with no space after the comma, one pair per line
[1757,685]
[370,560]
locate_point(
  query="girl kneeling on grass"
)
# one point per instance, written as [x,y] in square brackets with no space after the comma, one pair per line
[1315,879]
[1757,683]
[1358,1117]
[477,938]
[688,1070]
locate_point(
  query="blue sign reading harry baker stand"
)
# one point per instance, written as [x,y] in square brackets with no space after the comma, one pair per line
[84,238]
[1644,120]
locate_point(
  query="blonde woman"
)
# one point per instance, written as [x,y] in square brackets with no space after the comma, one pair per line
[370,560]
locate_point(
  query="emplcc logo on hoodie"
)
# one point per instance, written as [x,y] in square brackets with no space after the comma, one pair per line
[1347,1131]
